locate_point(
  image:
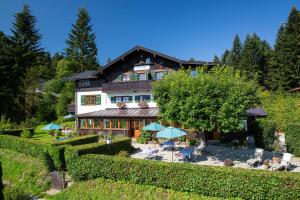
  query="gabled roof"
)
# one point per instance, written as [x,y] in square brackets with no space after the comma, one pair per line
[83,75]
[138,48]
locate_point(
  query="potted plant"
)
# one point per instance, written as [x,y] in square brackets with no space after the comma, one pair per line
[143,104]
[121,105]
[266,164]
[276,150]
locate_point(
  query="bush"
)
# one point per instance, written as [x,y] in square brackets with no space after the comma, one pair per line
[117,145]
[16,132]
[26,133]
[51,155]
[292,135]
[14,193]
[193,142]
[206,180]
[145,137]
[264,132]
[79,140]
[123,154]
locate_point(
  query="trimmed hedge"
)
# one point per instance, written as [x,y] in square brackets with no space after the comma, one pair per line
[53,156]
[117,145]
[16,132]
[264,132]
[78,141]
[205,180]
[292,135]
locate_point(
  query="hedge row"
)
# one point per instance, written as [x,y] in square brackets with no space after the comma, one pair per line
[292,136]
[16,132]
[117,145]
[53,156]
[205,180]
[79,140]
[264,132]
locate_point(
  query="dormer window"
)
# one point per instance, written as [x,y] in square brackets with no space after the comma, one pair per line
[126,77]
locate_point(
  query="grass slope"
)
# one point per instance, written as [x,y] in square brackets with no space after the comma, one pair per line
[104,189]
[24,172]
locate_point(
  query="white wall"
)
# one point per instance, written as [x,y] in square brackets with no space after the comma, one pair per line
[105,101]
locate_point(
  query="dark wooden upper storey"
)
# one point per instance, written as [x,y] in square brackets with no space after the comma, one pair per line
[135,70]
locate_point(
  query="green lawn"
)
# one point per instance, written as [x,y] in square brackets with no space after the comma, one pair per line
[110,190]
[24,172]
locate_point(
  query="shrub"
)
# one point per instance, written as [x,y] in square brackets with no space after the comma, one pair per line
[15,193]
[117,145]
[79,140]
[192,142]
[5,123]
[26,133]
[145,137]
[292,135]
[16,132]
[264,132]
[51,155]
[123,154]
[205,180]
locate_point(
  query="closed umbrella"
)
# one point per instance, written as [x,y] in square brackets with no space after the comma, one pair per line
[170,133]
[51,127]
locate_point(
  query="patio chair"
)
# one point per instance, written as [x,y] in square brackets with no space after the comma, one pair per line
[284,164]
[153,155]
[201,148]
[258,157]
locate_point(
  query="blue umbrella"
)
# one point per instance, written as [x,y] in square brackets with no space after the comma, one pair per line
[170,133]
[69,116]
[153,127]
[51,126]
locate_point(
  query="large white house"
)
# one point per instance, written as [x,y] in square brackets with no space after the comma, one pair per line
[118,98]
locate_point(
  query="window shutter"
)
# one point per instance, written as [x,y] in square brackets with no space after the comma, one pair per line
[113,99]
[147,76]
[131,76]
[130,99]
[82,100]
[135,77]
[152,75]
[98,100]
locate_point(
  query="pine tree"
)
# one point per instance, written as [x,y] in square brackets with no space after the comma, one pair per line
[236,51]
[254,58]
[285,67]
[216,60]
[226,57]
[81,46]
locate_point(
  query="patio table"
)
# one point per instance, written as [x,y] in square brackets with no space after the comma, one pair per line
[186,152]
[168,144]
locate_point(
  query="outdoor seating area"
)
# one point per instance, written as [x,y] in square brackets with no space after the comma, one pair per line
[215,155]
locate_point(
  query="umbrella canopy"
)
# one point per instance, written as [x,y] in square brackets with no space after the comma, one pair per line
[51,126]
[153,127]
[170,133]
[69,116]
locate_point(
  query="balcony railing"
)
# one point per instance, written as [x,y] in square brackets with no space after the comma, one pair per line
[129,85]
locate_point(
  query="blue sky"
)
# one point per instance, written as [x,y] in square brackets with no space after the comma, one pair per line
[184,29]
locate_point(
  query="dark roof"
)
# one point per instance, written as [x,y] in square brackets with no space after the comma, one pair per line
[137,48]
[256,112]
[127,112]
[83,75]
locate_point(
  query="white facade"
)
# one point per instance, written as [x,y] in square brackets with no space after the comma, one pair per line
[106,100]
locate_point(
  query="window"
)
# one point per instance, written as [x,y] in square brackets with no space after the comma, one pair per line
[117,99]
[89,123]
[126,77]
[82,123]
[148,60]
[142,77]
[106,123]
[115,123]
[159,75]
[140,98]
[91,100]
[194,73]
[84,83]
[97,123]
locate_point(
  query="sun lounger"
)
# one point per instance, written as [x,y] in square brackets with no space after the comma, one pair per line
[285,162]
[258,157]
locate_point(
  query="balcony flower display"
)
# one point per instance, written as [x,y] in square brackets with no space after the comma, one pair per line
[143,104]
[121,105]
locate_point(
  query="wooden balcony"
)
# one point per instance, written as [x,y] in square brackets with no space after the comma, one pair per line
[127,86]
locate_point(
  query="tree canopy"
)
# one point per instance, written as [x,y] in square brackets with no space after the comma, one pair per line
[212,100]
